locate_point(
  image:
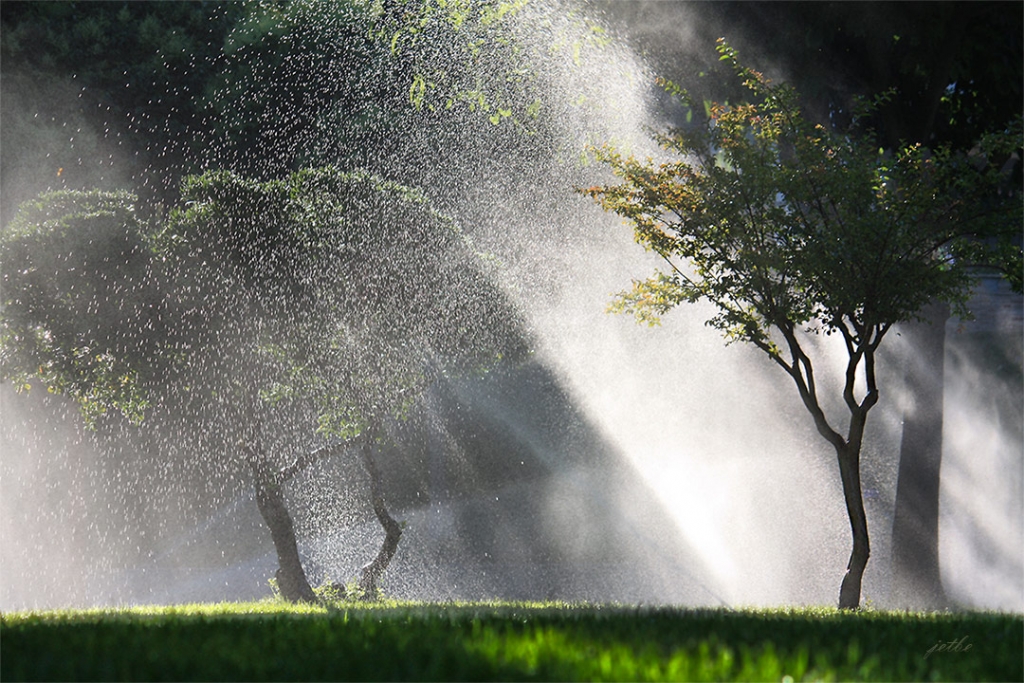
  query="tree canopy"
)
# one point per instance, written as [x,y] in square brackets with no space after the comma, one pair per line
[782,219]
[281,284]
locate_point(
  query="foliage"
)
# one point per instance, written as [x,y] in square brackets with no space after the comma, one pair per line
[110,43]
[301,84]
[784,222]
[280,319]
[490,58]
[362,293]
[335,594]
[451,45]
[956,66]
[79,306]
[330,82]
[503,641]
[140,94]
[312,303]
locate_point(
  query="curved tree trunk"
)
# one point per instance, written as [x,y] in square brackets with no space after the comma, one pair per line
[849,472]
[372,571]
[916,581]
[291,578]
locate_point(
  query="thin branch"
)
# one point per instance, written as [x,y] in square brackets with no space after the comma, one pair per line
[848,337]
[761,344]
[803,376]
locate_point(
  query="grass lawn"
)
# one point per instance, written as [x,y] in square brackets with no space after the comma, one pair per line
[391,641]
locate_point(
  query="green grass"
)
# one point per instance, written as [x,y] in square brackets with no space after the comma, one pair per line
[275,641]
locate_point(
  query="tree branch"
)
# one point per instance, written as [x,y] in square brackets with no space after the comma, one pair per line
[802,373]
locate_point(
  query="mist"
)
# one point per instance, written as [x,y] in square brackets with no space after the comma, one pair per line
[619,464]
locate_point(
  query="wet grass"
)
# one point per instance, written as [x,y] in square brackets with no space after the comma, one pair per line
[503,641]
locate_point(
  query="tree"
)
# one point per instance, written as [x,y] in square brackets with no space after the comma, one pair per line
[957,67]
[791,230]
[292,318]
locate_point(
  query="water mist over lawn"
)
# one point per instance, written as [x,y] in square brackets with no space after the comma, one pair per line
[982,501]
[620,463]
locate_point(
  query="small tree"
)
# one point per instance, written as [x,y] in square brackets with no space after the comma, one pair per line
[257,320]
[790,230]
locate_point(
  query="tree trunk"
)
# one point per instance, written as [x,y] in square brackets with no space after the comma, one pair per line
[849,472]
[861,345]
[916,581]
[372,571]
[291,578]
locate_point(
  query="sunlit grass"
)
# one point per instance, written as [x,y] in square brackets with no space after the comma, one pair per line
[272,640]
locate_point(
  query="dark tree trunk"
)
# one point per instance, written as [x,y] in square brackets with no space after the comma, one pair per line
[849,472]
[291,578]
[372,571]
[916,581]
